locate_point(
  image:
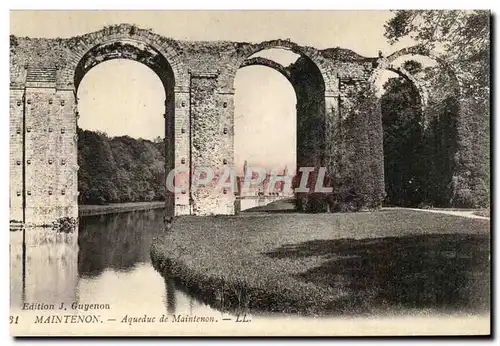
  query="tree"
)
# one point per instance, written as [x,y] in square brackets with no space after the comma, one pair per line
[119,169]
[462,37]
[406,174]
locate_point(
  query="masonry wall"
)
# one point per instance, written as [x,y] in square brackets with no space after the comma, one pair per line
[51,155]
[360,182]
[211,147]
[177,139]
[225,106]
[339,122]
[17,159]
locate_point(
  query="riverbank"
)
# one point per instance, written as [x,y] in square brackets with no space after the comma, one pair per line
[317,264]
[87,210]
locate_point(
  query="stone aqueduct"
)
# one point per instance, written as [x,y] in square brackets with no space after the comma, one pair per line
[332,86]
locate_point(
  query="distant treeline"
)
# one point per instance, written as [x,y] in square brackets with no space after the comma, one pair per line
[119,169]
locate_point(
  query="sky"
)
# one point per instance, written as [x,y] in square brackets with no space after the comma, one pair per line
[122,97]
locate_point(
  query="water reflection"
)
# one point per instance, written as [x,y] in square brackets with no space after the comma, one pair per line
[170,289]
[116,241]
[106,261]
[43,266]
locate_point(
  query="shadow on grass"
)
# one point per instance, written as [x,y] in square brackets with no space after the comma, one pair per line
[448,272]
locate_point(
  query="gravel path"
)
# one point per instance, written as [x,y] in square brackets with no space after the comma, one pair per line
[463,213]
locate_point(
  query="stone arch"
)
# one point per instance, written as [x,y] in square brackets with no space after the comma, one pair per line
[259,61]
[309,52]
[314,55]
[428,96]
[422,51]
[440,111]
[409,77]
[166,48]
[309,76]
[128,42]
[387,63]
[467,188]
[125,49]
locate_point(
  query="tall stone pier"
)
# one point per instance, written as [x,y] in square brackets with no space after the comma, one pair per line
[337,113]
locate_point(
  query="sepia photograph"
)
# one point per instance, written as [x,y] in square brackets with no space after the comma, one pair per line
[250,173]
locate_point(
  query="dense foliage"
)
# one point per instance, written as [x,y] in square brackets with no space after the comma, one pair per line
[124,243]
[405,177]
[357,174]
[119,169]
[460,39]
[356,169]
[463,37]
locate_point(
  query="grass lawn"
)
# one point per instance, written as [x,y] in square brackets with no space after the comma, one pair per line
[354,263]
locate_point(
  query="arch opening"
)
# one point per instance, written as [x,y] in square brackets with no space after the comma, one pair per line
[264,126]
[160,144]
[126,49]
[420,135]
[281,55]
[306,92]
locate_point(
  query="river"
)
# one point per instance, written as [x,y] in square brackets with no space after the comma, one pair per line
[107,263]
